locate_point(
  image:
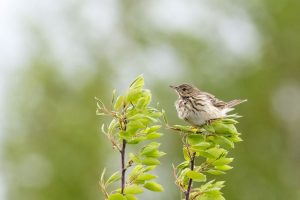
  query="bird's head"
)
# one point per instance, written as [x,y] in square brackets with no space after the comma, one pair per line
[184,90]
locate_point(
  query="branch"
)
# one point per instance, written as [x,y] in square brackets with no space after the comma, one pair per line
[185,129]
[123,166]
[187,194]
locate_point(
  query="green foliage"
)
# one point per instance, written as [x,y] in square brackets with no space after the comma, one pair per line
[133,121]
[210,144]
[154,186]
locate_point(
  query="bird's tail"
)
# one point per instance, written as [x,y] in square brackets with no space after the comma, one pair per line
[235,102]
[231,104]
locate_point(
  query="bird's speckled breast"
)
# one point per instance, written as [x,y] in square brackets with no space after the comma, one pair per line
[196,117]
[181,108]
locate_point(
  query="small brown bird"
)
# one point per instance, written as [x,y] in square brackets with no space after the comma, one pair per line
[198,107]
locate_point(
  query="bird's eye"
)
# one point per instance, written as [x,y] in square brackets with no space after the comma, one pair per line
[184,89]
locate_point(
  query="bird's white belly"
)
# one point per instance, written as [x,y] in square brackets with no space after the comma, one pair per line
[201,117]
[198,118]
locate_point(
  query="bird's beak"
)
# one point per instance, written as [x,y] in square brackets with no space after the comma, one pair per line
[173,87]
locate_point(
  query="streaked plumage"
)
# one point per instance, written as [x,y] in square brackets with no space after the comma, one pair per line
[198,107]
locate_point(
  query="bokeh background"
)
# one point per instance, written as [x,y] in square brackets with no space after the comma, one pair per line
[55,56]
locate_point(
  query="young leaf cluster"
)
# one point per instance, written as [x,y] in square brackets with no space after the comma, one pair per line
[208,146]
[133,121]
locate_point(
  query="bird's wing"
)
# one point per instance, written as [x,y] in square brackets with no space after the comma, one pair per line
[215,101]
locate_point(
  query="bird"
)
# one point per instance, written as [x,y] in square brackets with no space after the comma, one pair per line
[198,107]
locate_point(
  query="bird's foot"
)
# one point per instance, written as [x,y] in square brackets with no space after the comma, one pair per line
[210,121]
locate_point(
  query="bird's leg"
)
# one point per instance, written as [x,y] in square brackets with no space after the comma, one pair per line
[210,121]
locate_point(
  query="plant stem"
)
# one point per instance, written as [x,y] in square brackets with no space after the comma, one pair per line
[187,193]
[123,166]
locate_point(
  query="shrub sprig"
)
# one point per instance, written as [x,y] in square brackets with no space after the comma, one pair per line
[133,121]
[209,146]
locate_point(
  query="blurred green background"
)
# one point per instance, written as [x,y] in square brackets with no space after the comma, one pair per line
[55,56]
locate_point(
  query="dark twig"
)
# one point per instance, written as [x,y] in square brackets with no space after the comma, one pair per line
[123,125]
[187,193]
[123,166]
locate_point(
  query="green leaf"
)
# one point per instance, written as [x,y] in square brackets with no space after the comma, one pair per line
[146,177]
[149,168]
[200,146]
[206,185]
[150,148]
[186,154]
[224,167]
[135,158]
[136,140]
[152,136]
[211,196]
[216,152]
[195,139]
[144,99]
[154,128]
[229,121]
[125,135]
[236,138]
[227,141]
[183,178]
[119,102]
[209,128]
[195,195]
[150,161]
[205,154]
[113,178]
[155,114]
[138,83]
[136,170]
[196,176]
[155,154]
[155,187]
[139,182]
[183,165]
[212,187]
[116,196]
[130,197]
[154,144]
[222,161]
[224,129]
[133,126]
[133,189]
[133,96]
[151,119]
[215,172]
[137,116]
[219,184]
[142,102]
